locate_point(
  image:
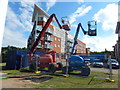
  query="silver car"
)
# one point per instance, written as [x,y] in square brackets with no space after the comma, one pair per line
[114,63]
[98,64]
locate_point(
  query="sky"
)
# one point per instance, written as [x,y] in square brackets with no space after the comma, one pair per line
[18,23]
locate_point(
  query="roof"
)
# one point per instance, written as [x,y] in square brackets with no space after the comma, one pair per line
[40,12]
[117,27]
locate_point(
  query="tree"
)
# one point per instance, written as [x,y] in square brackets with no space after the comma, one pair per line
[6,49]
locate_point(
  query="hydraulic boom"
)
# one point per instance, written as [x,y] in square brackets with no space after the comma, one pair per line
[39,38]
[91,32]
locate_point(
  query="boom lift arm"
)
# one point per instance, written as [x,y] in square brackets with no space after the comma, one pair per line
[75,61]
[41,35]
[90,32]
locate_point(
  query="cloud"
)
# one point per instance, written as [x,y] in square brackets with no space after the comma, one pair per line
[81,11]
[26,10]
[100,43]
[18,24]
[14,38]
[2,18]
[74,25]
[22,20]
[25,16]
[12,35]
[50,4]
[80,1]
[108,16]
[12,20]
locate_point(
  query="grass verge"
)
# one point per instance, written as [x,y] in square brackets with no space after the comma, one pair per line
[52,81]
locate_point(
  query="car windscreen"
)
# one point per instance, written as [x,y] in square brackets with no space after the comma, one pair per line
[113,61]
[98,62]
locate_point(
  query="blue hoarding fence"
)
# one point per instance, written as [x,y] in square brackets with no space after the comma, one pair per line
[93,57]
[17,59]
[14,59]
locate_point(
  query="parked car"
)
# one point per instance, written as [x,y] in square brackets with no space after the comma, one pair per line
[87,61]
[114,63]
[98,64]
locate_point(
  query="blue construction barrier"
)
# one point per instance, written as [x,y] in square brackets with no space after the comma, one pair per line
[17,59]
[92,57]
[24,61]
[14,59]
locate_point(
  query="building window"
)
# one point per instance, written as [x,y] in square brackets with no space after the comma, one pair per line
[55,39]
[55,45]
[39,27]
[58,45]
[45,19]
[40,18]
[47,43]
[57,55]
[58,39]
[63,56]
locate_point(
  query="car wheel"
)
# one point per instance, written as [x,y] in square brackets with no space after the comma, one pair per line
[85,71]
[64,70]
[51,68]
[60,66]
[32,66]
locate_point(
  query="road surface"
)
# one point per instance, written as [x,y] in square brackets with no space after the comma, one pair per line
[105,70]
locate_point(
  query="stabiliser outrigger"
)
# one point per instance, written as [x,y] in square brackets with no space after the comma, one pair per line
[47,59]
[75,61]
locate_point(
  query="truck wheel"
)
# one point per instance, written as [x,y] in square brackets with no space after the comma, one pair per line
[32,67]
[64,70]
[60,66]
[51,68]
[85,71]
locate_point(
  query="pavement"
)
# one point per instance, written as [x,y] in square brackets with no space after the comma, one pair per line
[105,70]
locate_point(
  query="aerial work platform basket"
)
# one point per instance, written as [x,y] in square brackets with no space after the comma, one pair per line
[66,24]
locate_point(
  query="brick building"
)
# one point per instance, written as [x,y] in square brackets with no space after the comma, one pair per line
[54,39]
[117,45]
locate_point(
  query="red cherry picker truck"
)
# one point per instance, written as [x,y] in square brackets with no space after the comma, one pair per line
[48,59]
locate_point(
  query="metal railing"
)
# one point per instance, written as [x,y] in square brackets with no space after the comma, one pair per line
[38,27]
[49,31]
[47,46]
[70,40]
[39,45]
[48,38]
[70,45]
